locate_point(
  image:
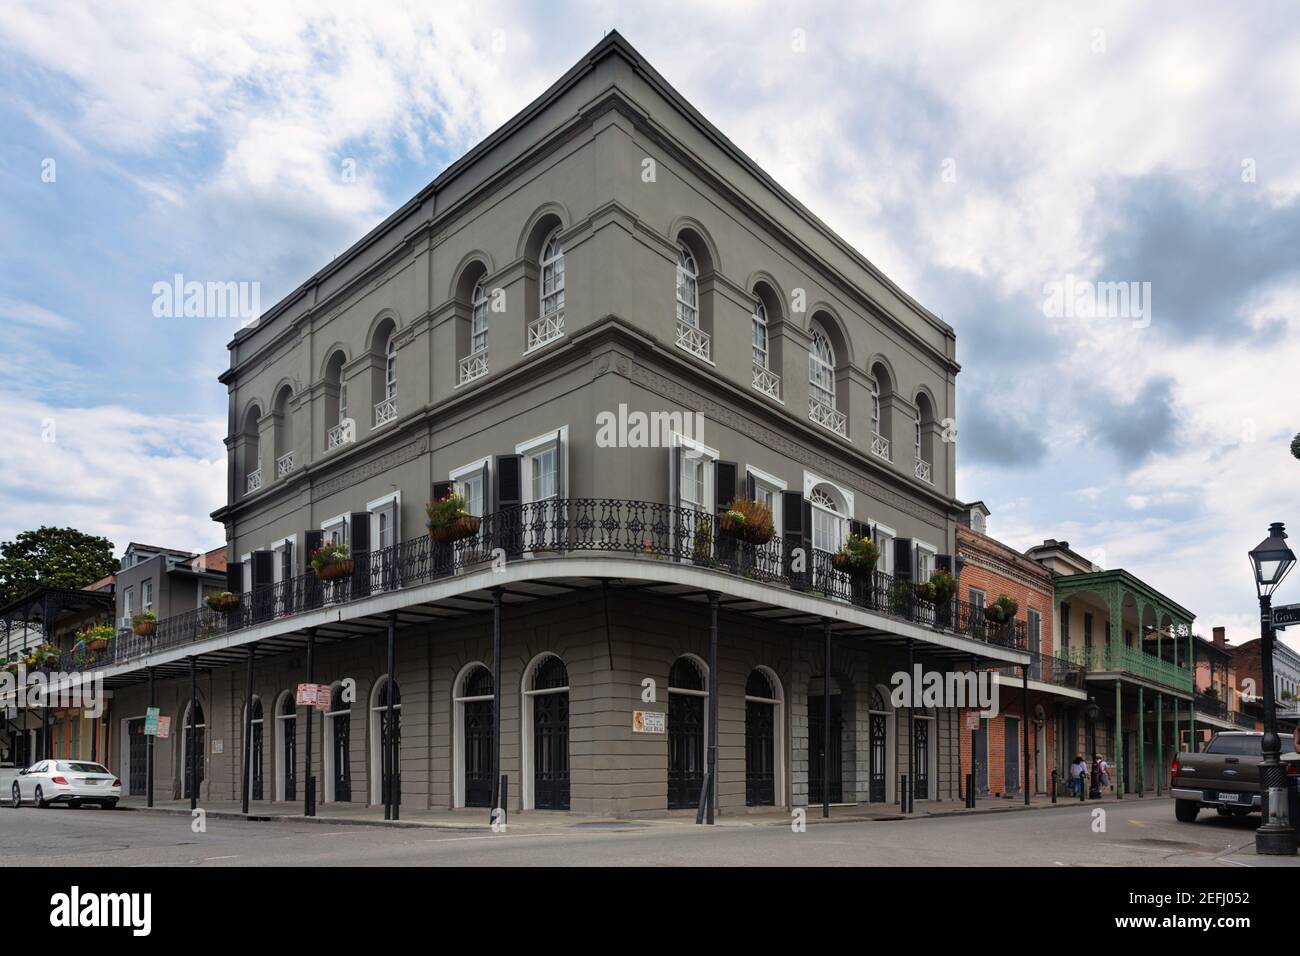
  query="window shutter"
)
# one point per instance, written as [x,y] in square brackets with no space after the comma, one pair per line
[235,577]
[443,554]
[724,482]
[359,548]
[559,465]
[675,477]
[903,559]
[311,591]
[751,488]
[796,516]
[943,562]
[263,575]
[288,587]
[509,500]
[858,528]
[441,489]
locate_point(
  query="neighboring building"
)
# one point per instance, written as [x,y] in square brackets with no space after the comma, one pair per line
[1286,681]
[1137,647]
[166,581]
[600,326]
[1056,695]
[1217,698]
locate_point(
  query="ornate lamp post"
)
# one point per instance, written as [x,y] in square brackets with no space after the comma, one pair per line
[1094,778]
[1271,560]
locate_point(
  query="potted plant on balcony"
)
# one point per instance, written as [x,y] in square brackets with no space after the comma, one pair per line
[702,541]
[222,601]
[98,637]
[10,667]
[332,560]
[44,656]
[748,520]
[856,557]
[144,624]
[944,586]
[1001,612]
[450,520]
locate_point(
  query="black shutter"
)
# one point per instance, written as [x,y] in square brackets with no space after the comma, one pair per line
[509,470]
[794,536]
[288,580]
[750,489]
[263,578]
[943,562]
[726,548]
[235,577]
[311,592]
[359,548]
[903,559]
[443,554]
[858,528]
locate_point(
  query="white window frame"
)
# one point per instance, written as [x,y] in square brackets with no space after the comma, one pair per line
[920,547]
[481,467]
[478,323]
[885,563]
[778,485]
[391,504]
[339,523]
[555,265]
[758,320]
[277,560]
[146,595]
[688,310]
[246,562]
[390,366]
[373,711]
[529,449]
[459,700]
[816,363]
[128,605]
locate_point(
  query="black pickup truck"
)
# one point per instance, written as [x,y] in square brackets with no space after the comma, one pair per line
[1225,775]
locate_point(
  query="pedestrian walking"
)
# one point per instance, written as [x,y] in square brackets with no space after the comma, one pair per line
[1076,775]
[1103,769]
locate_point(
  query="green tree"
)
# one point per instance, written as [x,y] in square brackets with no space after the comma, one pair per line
[53,557]
[1295,446]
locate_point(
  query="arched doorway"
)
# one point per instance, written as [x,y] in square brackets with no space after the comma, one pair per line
[687,690]
[880,753]
[193,741]
[338,735]
[474,703]
[286,731]
[256,787]
[382,778]
[764,739]
[925,750]
[825,745]
[1040,749]
[546,749]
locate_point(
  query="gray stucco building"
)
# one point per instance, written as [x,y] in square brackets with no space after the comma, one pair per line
[558,328]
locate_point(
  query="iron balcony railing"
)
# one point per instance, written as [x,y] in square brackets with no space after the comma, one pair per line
[1129,660]
[576,526]
[1050,669]
[1212,706]
[1243,720]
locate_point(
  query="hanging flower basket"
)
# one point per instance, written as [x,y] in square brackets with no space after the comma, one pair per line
[857,557]
[97,638]
[450,520]
[748,520]
[224,601]
[331,561]
[144,625]
[1002,611]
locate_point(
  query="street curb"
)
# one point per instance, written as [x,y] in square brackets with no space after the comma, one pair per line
[337,821]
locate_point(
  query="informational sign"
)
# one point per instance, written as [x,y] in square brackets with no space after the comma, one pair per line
[1286,614]
[164,728]
[218,745]
[648,722]
[151,722]
[972,720]
[314,695]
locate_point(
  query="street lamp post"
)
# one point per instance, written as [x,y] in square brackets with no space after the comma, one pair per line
[1271,560]
[1094,777]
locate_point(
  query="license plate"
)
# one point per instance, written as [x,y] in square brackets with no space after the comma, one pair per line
[1231,797]
[89,783]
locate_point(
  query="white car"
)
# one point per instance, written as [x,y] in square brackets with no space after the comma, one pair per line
[73,782]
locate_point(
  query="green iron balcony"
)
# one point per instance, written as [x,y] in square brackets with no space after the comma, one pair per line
[1129,660]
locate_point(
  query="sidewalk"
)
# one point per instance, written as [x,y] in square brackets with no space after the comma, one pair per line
[543,820]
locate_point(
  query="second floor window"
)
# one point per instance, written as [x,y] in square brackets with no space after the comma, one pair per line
[146,596]
[688,309]
[390,368]
[821,369]
[760,335]
[479,320]
[552,276]
[875,410]
[828,523]
[917,440]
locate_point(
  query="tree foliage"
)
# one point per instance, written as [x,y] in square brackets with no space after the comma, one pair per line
[53,557]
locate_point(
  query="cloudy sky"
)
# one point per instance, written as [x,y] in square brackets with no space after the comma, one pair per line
[978,153]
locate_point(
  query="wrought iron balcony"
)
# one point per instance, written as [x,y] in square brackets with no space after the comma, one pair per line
[546,329]
[1130,660]
[922,471]
[1049,669]
[694,340]
[474,365]
[1207,704]
[283,465]
[767,382]
[828,417]
[253,481]
[1243,720]
[880,447]
[580,527]
[385,411]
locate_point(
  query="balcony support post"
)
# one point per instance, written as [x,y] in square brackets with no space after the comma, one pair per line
[826,716]
[191,763]
[1142,745]
[148,749]
[248,734]
[391,801]
[1160,742]
[1178,740]
[911,721]
[713,705]
[1118,742]
[496,704]
[1024,724]
[309,781]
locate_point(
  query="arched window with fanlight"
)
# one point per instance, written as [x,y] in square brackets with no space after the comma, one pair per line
[759,324]
[687,691]
[390,367]
[688,288]
[821,368]
[764,739]
[829,521]
[550,321]
[474,697]
[546,734]
[479,320]
[385,779]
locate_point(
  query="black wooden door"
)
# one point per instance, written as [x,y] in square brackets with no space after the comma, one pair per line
[760,754]
[921,732]
[1011,748]
[291,758]
[342,766]
[138,758]
[256,769]
[551,751]
[390,775]
[879,757]
[820,755]
[685,750]
[195,749]
[478,753]
[982,758]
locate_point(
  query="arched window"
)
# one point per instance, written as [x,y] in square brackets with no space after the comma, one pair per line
[474,701]
[882,388]
[284,451]
[338,428]
[829,519]
[764,739]
[688,289]
[193,744]
[250,450]
[390,368]
[760,335]
[687,724]
[256,786]
[821,368]
[286,729]
[338,752]
[546,740]
[381,776]
[550,322]
[479,320]
[923,440]
[880,748]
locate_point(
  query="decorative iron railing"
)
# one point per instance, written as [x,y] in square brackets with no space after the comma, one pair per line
[880,447]
[283,465]
[576,526]
[1049,669]
[546,329]
[385,411]
[828,417]
[1129,660]
[1212,706]
[1244,720]
[474,365]
[767,382]
[694,340]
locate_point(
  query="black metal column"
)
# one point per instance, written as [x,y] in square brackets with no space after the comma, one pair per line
[826,719]
[191,758]
[309,789]
[148,749]
[713,706]
[910,794]
[248,733]
[390,762]
[496,703]
[1024,724]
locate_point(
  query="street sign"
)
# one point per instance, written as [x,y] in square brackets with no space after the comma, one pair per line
[314,695]
[648,722]
[151,722]
[1286,614]
[164,728]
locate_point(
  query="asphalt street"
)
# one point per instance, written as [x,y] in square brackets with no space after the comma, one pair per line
[1136,833]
